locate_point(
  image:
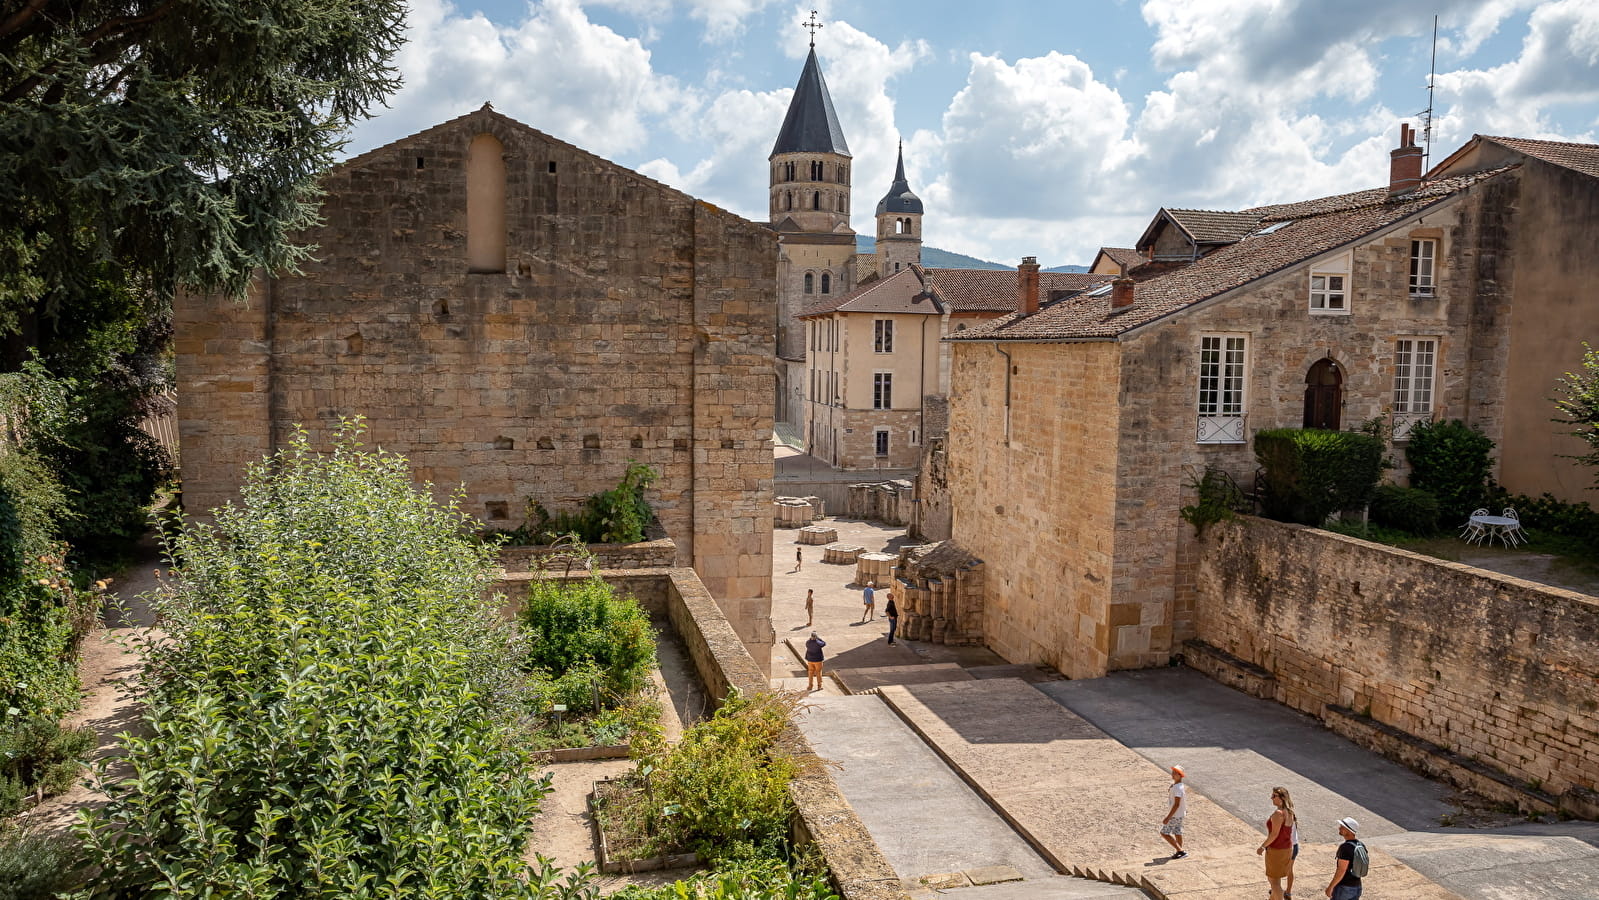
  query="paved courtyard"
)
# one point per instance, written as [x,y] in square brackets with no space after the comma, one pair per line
[1014,791]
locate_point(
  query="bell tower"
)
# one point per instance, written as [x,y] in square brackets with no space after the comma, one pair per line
[809,197]
[899,224]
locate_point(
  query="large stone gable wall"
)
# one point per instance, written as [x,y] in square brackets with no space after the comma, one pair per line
[1152,600]
[632,323]
[1490,667]
[1038,509]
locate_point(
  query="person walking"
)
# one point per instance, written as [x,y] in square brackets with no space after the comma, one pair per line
[810,607]
[869,597]
[1171,827]
[1278,848]
[799,558]
[813,662]
[892,614]
[1353,863]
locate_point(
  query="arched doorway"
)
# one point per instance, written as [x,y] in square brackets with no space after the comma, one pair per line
[1324,395]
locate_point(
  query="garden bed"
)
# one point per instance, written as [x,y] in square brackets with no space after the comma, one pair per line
[617,806]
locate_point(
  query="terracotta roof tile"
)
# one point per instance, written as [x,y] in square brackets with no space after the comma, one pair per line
[1312,227]
[1582,158]
[1126,257]
[1211,226]
[994,290]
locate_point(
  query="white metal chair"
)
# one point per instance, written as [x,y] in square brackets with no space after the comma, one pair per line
[1513,534]
[1473,531]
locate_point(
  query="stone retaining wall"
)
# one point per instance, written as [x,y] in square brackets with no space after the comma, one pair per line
[1496,670]
[824,818]
[656,551]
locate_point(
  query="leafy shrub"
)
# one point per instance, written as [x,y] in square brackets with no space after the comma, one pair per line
[1406,509]
[585,639]
[723,786]
[1218,498]
[38,756]
[1450,461]
[35,865]
[1310,473]
[763,879]
[331,710]
[1547,513]
[616,516]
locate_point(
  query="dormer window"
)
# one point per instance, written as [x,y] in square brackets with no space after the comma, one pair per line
[1423,262]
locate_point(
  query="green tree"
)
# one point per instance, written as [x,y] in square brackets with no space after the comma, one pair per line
[158,144]
[1579,406]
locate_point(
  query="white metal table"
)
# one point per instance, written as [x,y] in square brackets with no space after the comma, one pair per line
[1506,529]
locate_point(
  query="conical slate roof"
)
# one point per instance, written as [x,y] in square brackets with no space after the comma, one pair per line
[811,125]
[899,198]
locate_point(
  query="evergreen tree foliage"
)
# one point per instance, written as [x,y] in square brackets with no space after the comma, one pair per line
[159,144]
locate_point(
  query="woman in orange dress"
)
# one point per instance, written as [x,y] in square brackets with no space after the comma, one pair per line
[1278,848]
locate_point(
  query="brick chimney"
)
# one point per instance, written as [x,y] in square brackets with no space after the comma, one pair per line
[1121,293]
[1404,170]
[1027,285]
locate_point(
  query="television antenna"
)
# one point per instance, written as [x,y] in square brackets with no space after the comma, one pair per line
[1426,116]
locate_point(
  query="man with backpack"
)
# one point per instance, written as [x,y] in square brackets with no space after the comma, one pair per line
[1353,863]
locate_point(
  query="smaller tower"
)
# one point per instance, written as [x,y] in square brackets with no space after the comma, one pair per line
[899,224]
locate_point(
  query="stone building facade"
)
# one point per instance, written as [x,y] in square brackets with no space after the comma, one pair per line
[521,319]
[1075,430]
[877,374]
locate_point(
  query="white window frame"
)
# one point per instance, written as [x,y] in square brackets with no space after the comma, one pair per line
[1423,267]
[1222,388]
[1415,383]
[882,390]
[880,442]
[882,335]
[1324,293]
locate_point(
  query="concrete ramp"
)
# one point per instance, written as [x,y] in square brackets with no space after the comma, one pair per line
[1092,807]
[865,681]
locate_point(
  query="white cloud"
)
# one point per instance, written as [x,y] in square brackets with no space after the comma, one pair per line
[554,70]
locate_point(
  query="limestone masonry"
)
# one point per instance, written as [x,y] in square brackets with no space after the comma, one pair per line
[519,318]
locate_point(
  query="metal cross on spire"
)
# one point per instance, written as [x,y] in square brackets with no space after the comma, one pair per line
[812,26]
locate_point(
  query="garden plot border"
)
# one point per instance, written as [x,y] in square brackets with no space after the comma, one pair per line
[824,819]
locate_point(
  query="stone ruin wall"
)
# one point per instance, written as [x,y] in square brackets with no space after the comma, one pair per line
[940,594]
[889,502]
[1494,670]
[630,322]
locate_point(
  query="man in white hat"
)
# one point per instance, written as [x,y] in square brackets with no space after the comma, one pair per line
[1353,862]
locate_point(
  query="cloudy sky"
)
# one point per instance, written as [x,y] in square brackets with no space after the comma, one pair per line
[1044,128]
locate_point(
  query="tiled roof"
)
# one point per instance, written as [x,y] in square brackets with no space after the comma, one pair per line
[1126,257]
[1582,158]
[1210,226]
[994,290]
[958,290]
[1313,227]
[894,294]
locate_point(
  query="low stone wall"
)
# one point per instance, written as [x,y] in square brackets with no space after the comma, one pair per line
[824,818]
[656,551]
[1500,672]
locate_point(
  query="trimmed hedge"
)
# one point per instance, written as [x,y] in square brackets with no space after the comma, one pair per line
[1406,509]
[1311,474]
[1450,461]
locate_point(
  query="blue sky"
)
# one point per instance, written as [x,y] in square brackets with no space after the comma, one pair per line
[1032,128]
